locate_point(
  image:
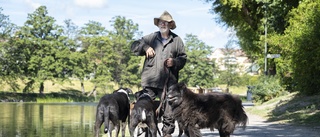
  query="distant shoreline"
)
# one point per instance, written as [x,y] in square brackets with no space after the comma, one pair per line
[46,97]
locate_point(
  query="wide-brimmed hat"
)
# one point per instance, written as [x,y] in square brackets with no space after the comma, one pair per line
[166,17]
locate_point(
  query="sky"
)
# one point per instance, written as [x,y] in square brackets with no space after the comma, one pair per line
[191,16]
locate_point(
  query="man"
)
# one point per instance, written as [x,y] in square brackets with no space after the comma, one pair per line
[164,57]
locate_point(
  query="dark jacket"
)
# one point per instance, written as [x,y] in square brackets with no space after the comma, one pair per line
[154,73]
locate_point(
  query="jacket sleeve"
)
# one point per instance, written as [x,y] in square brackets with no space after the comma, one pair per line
[139,47]
[181,57]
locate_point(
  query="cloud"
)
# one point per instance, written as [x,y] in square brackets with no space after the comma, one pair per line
[91,3]
[34,5]
[215,36]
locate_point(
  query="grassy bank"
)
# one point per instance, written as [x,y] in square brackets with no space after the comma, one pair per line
[69,91]
[293,108]
[42,98]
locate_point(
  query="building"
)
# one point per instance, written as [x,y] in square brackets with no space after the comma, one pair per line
[225,57]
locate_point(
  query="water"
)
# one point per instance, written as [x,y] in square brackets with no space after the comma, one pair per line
[47,119]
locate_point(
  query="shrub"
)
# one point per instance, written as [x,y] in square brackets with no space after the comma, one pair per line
[267,88]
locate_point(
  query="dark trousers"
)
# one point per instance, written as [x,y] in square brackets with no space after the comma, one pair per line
[167,117]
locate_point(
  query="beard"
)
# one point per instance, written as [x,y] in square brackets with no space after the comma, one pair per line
[164,29]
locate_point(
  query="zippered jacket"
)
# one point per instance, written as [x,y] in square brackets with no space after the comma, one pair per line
[154,73]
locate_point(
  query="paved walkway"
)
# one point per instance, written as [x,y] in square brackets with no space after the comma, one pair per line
[258,127]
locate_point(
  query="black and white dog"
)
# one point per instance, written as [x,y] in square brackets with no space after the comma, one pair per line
[143,116]
[111,110]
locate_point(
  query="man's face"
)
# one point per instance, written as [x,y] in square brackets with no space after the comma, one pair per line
[163,26]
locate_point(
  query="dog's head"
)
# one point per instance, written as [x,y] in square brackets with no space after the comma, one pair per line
[138,94]
[142,94]
[175,94]
[145,96]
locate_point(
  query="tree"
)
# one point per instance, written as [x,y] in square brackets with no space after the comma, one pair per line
[101,59]
[302,44]
[40,49]
[8,71]
[7,28]
[93,28]
[78,59]
[98,54]
[252,20]
[71,32]
[276,23]
[198,69]
[248,18]
[230,76]
[126,72]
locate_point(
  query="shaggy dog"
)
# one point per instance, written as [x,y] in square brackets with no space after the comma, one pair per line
[213,110]
[143,116]
[111,110]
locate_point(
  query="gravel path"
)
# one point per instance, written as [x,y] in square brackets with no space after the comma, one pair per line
[258,127]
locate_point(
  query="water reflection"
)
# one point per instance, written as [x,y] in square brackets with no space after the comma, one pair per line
[47,119]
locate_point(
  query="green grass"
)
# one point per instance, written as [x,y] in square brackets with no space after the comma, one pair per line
[69,91]
[240,90]
[293,108]
[47,97]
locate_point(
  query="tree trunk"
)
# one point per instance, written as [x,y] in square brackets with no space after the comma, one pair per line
[82,87]
[41,89]
[28,86]
[93,91]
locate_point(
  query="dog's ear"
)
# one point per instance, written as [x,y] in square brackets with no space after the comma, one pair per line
[138,94]
[182,85]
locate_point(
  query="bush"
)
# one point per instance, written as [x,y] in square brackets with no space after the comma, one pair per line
[267,88]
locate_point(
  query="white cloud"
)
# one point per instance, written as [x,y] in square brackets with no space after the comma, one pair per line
[91,3]
[34,5]
[213,33]
[216,36]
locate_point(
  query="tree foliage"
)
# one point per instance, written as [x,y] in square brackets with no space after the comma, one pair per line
[40,51]
[291,29]
[126,68]
[6,27]
[198,69]
[7,65]
[93,28]
[302,38]
[230,76]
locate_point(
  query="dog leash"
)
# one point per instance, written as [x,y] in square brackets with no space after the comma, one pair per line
[164,91]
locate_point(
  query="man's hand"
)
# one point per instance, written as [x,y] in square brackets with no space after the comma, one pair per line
[169,62]
[150,52]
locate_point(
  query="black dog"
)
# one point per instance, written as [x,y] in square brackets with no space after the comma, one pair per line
[112,109]
[215,110]
[143,116]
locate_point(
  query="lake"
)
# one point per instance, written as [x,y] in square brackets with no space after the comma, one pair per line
[47,119]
